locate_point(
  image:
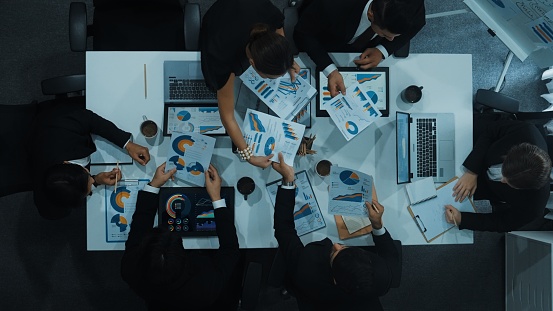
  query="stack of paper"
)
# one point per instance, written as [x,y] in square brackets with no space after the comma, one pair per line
[284,97]
[421,190]
[354,224]
[352,112]
[190,153]
[349,190]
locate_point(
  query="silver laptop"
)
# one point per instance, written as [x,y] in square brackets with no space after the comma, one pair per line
[184,82]
[425,146]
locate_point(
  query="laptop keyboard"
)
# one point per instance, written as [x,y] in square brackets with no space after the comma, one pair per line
[426,147]
[182,89]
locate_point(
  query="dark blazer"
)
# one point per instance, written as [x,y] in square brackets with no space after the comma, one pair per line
[522,205]
[61,132]
[204,278]
[308,268]
[225,33]
[327,26]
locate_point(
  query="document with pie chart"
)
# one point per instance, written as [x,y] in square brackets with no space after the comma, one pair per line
[190,153]
[352,112]
[349,190]
[119,206]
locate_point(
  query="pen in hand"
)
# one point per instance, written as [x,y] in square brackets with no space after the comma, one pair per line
[453,217]
[375,208]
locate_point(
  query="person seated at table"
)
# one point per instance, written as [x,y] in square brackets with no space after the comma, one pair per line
[157,268]
[509,165]
[374,28]
[236,34]
[327,276]
[60,147]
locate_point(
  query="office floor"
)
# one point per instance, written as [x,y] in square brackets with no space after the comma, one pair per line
[44,265]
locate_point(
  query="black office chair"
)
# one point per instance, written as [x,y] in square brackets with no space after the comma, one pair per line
[16,123]
[136,25]
[290,21]
[251,286]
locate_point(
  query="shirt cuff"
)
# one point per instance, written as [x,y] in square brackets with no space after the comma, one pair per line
[219,203]
[383,51]
[329,69]
[151,189]
[125,145]
[288,187]
[379,232]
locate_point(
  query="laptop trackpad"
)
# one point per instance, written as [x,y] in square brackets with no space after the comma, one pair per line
[446,150]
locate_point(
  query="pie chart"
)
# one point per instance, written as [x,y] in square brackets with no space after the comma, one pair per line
[183,115]
[352,128]
[349,178]
[373,96]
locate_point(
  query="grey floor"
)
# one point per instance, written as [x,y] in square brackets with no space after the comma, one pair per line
[44,265]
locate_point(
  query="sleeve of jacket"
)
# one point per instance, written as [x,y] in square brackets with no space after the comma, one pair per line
[307,31]
[386,249]
[104,128]
[285,231]
[228,254]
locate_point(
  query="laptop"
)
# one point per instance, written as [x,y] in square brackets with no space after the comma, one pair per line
[183,82]
[425,146]
[188,211]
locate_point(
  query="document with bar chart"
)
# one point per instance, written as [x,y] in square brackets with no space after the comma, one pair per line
[352,112]
[307,214]
[267,134]
[284,97]
[349,190]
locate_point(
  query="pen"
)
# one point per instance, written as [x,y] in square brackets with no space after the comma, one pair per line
[375,208]
[454,221]
[117,166]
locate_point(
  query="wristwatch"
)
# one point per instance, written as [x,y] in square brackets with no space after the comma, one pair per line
[288,183]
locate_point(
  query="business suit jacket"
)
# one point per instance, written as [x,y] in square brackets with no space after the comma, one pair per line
[225,33]
[522,205]
[327,26]
[202,280]
[61,132]
[308,270]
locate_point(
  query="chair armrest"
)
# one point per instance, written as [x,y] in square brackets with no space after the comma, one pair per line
[63,84]
[77,26]
[192,27]
[290,21]
[497,101]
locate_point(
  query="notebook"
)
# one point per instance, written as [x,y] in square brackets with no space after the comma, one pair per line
[421,190]
[425,146]
[184,82]
[429,215]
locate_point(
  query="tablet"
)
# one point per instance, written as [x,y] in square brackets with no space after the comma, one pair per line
[188,211]
[374,82]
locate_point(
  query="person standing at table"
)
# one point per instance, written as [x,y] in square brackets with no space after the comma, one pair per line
[157,268]
[236,34]
[327,276]
[374,28]
[509,165]
[60,147]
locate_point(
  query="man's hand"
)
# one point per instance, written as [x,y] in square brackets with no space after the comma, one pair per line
[262,162]
[465,186]
[294,71]
[284,169]
[370,58]
[160,177]
[336,83]
[213,183]
[375,213]
[108,178]
[139,153]
[452,215]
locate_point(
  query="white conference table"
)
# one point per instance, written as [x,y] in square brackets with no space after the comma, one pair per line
[115,91]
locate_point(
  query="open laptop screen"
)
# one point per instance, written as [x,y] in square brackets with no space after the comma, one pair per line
[402,147]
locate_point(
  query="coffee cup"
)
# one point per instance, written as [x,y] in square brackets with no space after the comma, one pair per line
[322,168]
[245,186]
[148,128]
[412,94]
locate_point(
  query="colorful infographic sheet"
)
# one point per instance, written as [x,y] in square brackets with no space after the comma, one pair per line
[371,83]
[284,97]
[349,190]
[352,112]
[202,120]
[307,214]
[304,115]
[190,153]
[120,206]
[270,135]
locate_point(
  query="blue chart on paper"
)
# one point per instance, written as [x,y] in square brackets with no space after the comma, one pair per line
[349,178]
[183,115]
[269,146]
[352,128]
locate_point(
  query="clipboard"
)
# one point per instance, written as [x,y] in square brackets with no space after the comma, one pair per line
[420,223]
[343,232]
